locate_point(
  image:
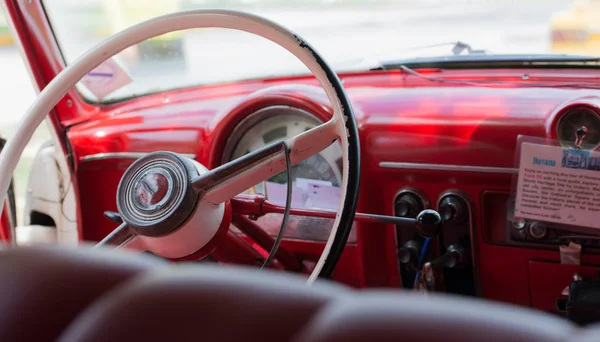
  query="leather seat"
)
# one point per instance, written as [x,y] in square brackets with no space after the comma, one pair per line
[106,295]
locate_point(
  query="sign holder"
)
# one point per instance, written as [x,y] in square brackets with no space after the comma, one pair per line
[106,78]
[556,186]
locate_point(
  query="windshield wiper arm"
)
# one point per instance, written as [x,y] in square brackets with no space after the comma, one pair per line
[459,47]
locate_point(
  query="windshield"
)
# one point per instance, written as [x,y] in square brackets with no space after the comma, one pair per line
[350,34]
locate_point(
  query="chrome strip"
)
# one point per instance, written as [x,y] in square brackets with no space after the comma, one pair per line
[448,167]
[123,155]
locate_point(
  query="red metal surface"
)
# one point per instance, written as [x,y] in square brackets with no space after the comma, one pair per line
[44,61]
[348,270]
[401,118]
[266,242]
[234,250]
[6,225]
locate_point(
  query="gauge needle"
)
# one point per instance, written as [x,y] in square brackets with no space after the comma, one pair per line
[591,130]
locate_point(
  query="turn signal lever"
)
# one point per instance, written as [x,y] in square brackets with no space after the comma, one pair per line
[115,217]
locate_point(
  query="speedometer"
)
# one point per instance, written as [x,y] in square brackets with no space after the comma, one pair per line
[322,171]
[280,123]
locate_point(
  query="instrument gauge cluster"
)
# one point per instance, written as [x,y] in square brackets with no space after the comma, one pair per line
[278,123]
[579,120]
[322,170]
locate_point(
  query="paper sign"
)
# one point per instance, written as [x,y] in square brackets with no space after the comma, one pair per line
[559,185]
[323,196]
[305,183]
[307,193]
[106,78]
[277,194]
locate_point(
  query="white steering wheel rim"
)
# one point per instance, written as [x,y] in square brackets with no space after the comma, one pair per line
[73,73]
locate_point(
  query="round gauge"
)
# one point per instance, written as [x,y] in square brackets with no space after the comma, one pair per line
[576,119]
[280,123]
[323,171]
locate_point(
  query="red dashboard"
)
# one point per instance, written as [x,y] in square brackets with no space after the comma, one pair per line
[432,139]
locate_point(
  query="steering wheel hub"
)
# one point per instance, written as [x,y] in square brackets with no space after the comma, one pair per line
[155,196]
[153,190]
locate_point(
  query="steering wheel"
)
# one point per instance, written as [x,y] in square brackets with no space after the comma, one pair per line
[173,206]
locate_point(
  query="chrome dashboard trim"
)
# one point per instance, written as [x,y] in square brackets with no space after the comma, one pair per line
[123,155]
[448,167]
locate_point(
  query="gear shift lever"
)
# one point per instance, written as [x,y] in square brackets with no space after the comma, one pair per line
[429,225]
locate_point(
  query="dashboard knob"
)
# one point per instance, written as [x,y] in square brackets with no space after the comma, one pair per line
[408,205]
[452,257]
[453,208]
[429,223]
[409,252]
[537,230]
